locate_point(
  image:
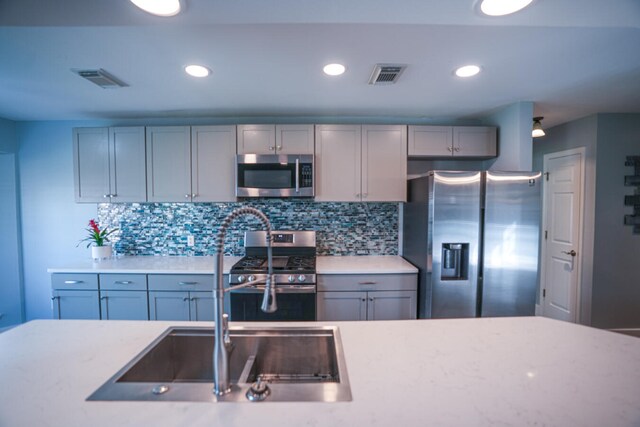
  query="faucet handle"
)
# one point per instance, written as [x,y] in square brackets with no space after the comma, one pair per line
[225,328]
[269,304]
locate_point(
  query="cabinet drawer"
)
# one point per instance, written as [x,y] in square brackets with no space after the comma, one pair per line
[123,282]
[180,282]
[87,282]
[367,282]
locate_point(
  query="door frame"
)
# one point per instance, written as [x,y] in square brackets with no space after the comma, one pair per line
[578,262]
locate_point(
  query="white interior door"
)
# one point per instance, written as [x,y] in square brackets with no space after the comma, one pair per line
[563,229]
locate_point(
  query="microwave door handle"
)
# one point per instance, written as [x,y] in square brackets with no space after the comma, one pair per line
[297,175]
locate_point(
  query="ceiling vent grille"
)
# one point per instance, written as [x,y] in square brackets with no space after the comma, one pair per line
[101,78]
[386,74]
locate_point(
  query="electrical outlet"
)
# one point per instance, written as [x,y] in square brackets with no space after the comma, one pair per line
[191,241]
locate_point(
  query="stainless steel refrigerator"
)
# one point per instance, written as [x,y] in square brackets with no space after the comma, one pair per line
[474,237]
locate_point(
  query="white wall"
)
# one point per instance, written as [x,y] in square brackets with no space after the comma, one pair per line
[514,124]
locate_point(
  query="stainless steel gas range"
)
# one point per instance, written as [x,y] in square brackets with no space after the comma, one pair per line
[294,269]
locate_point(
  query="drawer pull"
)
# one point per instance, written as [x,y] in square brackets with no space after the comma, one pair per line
[123,282]
[185,299]
[368,282]
[54,298]
[187,283]
[72,282]
[103,298]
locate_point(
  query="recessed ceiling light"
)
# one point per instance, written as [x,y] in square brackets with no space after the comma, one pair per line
[159,7]
[197,70]
[502,7]
[467,71]
[333,69]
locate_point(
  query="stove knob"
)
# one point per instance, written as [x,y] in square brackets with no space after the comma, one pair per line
[251,278]
[240,278]
[291,279]
[302,278]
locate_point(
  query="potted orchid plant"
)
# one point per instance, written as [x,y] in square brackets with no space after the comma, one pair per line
[97,239]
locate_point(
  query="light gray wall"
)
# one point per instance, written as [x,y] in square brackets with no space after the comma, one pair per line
[616,273]
[514,124]
[52,222]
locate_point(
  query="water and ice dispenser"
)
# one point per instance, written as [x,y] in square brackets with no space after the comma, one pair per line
[455,261]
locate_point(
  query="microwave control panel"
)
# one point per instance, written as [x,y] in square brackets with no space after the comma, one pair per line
[306,176]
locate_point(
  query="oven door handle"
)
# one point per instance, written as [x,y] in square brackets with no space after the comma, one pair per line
[280,289]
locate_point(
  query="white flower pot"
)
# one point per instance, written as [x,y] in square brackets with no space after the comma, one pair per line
[100,252]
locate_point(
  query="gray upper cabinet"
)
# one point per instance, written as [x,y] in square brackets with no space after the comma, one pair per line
[456,141]
[169,164]
[191,164]
[361,163]
[109,164]
[275,139]
[213,152]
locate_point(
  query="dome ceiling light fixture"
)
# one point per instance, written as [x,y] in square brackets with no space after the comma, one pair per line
[197,70]
[537,130]
[502,7]
[159,7]
[467,71]
[334,69]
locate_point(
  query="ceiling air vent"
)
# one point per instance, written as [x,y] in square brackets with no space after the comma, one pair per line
[101,78]
[386,74]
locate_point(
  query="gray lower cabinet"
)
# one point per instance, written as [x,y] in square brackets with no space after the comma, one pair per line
[124,297]
[75,296]
[182,297]
[367,297]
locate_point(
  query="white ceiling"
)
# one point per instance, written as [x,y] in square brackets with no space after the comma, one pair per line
[570,57]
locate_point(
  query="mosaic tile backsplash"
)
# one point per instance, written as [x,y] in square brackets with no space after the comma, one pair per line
[162,228]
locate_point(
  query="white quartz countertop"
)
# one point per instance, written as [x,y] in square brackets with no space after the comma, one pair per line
[463,372]
[383,264]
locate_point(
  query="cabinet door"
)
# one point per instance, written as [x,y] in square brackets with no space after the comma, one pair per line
[213,153]
[475,141]
[168,305]
[294,139]
[75,305]
[338,163]
[124,305]
[384,163]
[169,164]
[336,306]
[256,139]
[202,306]
[128,171]
[430,141]
[91,164]
[391,305]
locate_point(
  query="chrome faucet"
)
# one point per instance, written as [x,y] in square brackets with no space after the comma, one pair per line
[222,345]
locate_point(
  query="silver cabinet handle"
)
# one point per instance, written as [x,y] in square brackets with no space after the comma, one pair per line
[279,147]
[72,282]
[106,196]
[194,299]
[123,282]
[368,282]
[365,195]
[357,194]
[572,252]
[272,148]
[456,149]
[450,149]
[363,299]
[297,175]
[194,195]
[187,196]
[187,283]
[185,299]
[370,299]
[54,298]
[103,298]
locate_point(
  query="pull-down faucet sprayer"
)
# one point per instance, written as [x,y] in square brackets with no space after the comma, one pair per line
[221,376]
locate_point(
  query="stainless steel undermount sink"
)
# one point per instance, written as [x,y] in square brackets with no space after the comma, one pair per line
[299,364]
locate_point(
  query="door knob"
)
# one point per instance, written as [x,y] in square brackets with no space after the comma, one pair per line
[572,252]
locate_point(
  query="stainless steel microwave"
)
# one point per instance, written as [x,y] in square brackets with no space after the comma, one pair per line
[272,175]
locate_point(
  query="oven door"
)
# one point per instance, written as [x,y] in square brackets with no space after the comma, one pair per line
[266,175]
[293,306]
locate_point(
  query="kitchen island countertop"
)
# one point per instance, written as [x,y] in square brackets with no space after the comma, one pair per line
[373,264]
[480,372]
